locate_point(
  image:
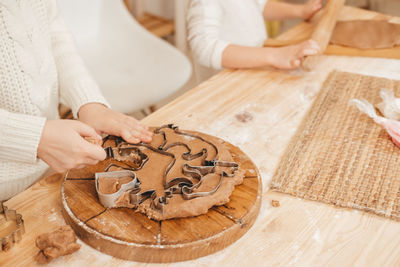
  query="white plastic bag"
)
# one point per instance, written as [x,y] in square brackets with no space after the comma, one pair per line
[390,105]
[391,126]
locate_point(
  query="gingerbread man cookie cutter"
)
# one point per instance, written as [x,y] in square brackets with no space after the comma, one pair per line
[108,200]
[12,230]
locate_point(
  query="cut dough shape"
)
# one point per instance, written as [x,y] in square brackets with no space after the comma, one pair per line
[152,173]
[366,34]
[131,157]
[56,244]
[112,185]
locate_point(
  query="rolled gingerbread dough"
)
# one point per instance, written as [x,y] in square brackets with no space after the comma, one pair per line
[152,173]
[366,34]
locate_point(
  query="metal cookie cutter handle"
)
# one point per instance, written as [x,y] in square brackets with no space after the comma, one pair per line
[9,239]
[108,200]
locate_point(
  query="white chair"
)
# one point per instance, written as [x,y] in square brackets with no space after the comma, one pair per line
[133,68]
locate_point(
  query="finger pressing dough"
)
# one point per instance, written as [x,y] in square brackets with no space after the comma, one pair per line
[366,34]
[55,244]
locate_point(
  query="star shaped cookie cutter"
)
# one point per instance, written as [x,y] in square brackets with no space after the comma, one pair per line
[11,227]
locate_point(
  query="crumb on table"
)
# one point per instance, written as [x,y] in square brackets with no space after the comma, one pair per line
[244,117]
[275,203]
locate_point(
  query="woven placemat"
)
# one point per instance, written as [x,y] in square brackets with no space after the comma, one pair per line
[340,156]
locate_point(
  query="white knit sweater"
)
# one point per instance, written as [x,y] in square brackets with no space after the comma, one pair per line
[39,66]
[215,24]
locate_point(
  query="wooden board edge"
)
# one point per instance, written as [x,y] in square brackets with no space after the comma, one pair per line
[160,253]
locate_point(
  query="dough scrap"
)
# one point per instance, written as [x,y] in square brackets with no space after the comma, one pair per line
[244,117]
[56,244]
[152,173]
[366,34]
[275,203]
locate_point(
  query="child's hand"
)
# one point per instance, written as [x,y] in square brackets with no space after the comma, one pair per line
[310,8]
[105,120]
[63,147]
[290,57]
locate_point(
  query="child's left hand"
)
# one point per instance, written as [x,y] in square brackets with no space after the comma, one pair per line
[108,121]
[310,8]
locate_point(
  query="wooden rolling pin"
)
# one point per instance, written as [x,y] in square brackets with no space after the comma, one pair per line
[324,29]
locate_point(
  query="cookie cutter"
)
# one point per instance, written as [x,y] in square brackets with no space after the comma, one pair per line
[124,153]
[8,241]
[179,185]
[108,200]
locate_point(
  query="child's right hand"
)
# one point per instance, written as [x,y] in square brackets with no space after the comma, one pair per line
[62,145]
[291,57]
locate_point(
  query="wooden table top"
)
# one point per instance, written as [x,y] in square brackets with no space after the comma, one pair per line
[298,232]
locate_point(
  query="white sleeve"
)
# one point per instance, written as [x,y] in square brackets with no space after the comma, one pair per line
[77,87]
[261,4]
[204,23]
[20,136]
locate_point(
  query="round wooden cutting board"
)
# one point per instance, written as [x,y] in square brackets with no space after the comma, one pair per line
[129,235]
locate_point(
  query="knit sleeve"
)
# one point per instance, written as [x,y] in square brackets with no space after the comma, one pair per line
[20,136]
[77,87]
[204,23]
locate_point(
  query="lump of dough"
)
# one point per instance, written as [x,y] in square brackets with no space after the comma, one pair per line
[55,244]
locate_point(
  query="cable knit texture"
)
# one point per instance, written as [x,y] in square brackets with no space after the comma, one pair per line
[39,66]
[215,24]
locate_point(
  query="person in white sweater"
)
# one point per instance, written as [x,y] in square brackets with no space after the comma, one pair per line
[231,34]
[39,67]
